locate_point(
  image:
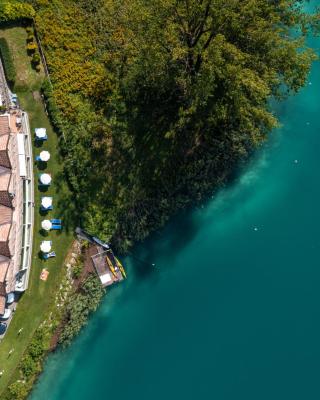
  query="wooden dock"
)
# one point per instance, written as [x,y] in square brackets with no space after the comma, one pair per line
[107,267]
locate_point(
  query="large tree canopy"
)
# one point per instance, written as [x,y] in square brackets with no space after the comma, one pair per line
[161,99]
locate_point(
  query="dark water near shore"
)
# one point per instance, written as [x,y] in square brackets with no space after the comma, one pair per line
[231,310]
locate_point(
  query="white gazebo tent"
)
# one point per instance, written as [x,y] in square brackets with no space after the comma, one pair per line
[44,155]
[45,179]
[46,225]
[41,133]
[45,246]
[46,202]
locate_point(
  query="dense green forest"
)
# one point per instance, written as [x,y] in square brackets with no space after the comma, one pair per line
[158,101]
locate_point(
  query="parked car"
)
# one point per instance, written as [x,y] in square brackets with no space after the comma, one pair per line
[3,327]
[10,298]
[6,315]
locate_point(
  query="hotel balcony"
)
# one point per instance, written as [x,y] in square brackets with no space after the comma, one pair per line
[16,203]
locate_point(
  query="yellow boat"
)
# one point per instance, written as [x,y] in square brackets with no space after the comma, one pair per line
[111,267]
[121,267]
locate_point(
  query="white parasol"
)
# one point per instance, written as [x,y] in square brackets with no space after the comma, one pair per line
[46,202]
[45,179]
[46,225]
[41,133]
[45,246]
[44,156]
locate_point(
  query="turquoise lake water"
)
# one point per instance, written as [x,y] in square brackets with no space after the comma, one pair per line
[232,309]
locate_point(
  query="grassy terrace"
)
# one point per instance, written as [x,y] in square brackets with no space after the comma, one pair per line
[36,302]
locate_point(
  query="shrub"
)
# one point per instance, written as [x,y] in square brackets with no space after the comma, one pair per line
[76,270]
[18,390]
[29,366]
[79,306]
[13,11]
[36,347]
[52,107]
[7,61]
[35,59]
[30,37]
[31,47]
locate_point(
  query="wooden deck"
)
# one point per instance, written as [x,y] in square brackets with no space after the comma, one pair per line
[102,264]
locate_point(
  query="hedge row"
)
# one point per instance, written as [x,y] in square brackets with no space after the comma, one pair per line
[7,61]
[11,11]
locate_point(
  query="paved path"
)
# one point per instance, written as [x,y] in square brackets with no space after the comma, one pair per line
[4,90]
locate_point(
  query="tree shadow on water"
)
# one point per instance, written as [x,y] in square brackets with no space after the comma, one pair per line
[164,245]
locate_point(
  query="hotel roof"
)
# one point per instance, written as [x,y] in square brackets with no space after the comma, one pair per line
[3,296]
[4,249]
[5,215]
[5,199]
[4,139]
[4,265]
[2,289]
[4,180]
[4,125]
[4,231]
[4,159]
[2,304]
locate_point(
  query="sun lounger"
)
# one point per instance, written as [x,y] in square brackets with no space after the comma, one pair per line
[56,221]
[56,227]
[49,255]
[44,274]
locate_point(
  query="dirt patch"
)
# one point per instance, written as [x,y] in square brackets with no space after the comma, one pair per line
[36,95]
[88,267]
[55,338]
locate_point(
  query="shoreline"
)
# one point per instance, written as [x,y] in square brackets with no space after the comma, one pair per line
[53,326]
[48,313]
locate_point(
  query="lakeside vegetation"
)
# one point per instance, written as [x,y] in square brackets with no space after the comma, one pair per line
[160,101]
[15,11]
[156,103]
[7,62]
[78,308]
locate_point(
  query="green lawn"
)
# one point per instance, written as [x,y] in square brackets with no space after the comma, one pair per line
[36,302]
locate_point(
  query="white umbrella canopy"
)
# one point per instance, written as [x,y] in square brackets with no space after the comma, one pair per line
[46,225]
[45,179]
[45,246]
[41,132]
[46,202]
[44,155]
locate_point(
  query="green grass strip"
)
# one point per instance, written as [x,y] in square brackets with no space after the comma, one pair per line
[8,64]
